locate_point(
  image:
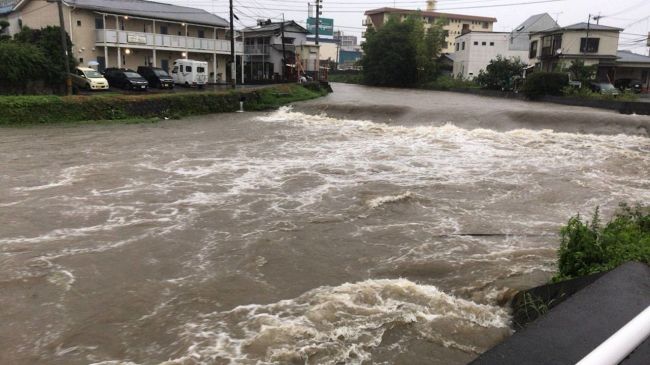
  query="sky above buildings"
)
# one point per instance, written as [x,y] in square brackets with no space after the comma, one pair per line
[632,15]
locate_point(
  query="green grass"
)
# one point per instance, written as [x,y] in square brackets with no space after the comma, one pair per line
[584,93]
[590,247]
[47,109]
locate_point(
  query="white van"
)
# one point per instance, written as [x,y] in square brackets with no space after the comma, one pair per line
[190,72]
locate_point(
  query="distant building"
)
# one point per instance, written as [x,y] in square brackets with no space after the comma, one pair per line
[557,47]
[265,47]
[456,24]
[474,50]
[345,40]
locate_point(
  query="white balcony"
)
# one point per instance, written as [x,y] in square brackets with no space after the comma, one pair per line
[126,39]
[256,49]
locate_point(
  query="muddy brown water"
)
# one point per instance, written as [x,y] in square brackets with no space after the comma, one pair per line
[380,232]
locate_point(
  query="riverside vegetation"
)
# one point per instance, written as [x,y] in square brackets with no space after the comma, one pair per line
[34,109]
[589,247]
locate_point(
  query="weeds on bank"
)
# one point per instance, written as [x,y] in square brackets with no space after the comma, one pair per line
[589,247]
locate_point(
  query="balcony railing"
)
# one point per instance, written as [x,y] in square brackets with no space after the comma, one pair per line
[125,39]
[259,49]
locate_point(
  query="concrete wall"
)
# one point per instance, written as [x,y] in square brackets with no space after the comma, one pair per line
[480,49]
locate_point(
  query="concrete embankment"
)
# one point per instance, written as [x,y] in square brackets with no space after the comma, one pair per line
[572,329]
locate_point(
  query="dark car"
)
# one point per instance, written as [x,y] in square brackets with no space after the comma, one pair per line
[629,84]
[604,88]
[157,77]
[125,79]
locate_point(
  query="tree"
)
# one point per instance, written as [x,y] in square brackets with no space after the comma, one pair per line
[500,72]
[48,40]
[21,63]
[401,53]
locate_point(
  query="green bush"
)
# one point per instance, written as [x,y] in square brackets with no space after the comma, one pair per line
[21,63]
[586,93]
[347,77]
[500,73]
[19,110]
[450,83]
[539,84]
[588,247]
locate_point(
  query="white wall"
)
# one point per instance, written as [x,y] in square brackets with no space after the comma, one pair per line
[480,49]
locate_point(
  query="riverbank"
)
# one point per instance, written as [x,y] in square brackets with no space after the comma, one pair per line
[29,110]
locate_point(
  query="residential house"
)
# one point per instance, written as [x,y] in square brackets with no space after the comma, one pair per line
[556,48]
[455,24]
[132,33]
[6,7]
[475,50]
[268,43]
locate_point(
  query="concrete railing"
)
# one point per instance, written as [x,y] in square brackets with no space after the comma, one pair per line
[125,39]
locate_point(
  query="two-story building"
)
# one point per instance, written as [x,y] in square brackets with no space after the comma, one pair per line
[556,48]
[269,43]
[455,24]
[474,50]
[132,33]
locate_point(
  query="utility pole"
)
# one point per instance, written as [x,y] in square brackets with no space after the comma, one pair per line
[233,65]
[284,52]
[584,51]
[318,7]
[64,44]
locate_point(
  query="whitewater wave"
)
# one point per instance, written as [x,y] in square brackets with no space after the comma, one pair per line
[382,200]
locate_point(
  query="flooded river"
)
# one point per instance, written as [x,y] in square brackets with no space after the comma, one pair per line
[381,232]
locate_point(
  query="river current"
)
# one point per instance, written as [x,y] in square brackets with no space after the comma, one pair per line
[293,237]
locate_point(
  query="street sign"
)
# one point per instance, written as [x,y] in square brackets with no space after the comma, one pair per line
[326,28]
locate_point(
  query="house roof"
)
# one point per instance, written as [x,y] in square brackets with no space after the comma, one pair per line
[434,14]
[532,22]
[582,26]
[148,9]
[275,27]
[629,57]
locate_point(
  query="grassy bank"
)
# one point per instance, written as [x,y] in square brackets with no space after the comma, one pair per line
[40,109]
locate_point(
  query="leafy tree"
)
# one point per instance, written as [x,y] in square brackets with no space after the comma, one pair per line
[20,63]
[401,53]
[500,72]
[48,40]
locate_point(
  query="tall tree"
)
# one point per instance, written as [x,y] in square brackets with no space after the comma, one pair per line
[402,53]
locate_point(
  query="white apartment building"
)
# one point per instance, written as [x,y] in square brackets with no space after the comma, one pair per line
[132,33]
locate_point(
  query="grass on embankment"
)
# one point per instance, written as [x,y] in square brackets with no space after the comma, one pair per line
[40,109]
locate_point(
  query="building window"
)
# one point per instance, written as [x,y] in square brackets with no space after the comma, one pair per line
[457,47]
[476,43]
[201,33]
[483,43]
[533,50]
[78,23]
[99,22]
[81,60]
[463,46]
[486,25]
[163,29]
[492,44]
[589,45]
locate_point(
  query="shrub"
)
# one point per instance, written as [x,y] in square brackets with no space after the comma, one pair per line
[545,83]
[585,93]
[588,248]
[54,109]
[500,73]
[449,83]
[21,63]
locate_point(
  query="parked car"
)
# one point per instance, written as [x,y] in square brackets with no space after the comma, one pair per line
[629,85]
[604,88]
[190,73]
[125,79]
[157,77]
[88,79]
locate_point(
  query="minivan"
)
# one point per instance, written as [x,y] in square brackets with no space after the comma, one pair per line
[157,77]
[125,79]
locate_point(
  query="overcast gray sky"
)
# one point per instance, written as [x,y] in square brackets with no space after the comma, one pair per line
[633,15]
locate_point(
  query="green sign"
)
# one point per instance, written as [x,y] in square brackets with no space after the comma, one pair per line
[326,26]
